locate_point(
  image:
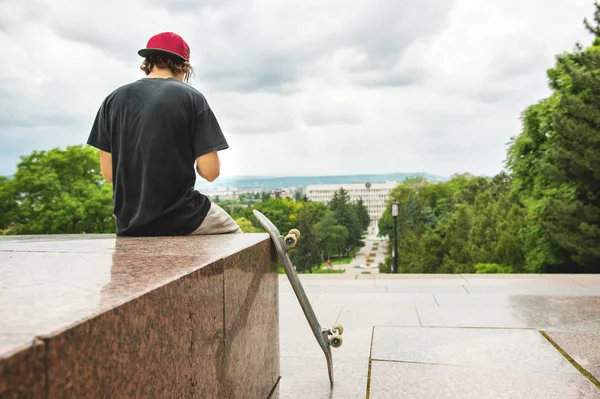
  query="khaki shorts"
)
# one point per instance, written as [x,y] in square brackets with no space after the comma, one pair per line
[217,221]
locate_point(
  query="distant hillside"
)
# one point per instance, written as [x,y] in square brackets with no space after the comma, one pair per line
[270,183]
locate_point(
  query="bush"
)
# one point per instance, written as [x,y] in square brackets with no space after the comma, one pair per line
[492,268]
[386,265]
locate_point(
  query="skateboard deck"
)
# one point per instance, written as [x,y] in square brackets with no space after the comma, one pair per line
[326,337]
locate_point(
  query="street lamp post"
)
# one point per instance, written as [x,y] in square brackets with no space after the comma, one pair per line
[395,250]
[368,205]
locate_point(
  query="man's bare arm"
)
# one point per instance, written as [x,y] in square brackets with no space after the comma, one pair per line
[106,165]
[209,166]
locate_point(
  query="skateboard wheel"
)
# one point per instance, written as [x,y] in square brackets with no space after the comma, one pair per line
[295,231]
[336,340]
[290,240]
[337,328]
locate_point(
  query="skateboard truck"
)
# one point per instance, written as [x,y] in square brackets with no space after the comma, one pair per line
[291,239]
[333,335]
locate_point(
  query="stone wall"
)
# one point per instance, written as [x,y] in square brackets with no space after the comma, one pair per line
[100,316]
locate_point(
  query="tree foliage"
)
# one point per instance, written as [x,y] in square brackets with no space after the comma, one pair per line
[306,255]
[57,191]
[542,214]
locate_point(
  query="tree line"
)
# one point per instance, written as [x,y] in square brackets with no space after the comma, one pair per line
[62,191]
[328,231]
[540,215]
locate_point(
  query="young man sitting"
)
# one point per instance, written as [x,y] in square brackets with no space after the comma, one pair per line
[150,134]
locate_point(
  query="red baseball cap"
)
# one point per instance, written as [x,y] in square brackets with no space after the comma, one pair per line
[166,43]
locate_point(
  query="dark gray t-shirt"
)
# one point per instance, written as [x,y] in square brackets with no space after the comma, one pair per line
[155,129]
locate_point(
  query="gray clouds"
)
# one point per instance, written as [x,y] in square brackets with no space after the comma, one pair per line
[332,87]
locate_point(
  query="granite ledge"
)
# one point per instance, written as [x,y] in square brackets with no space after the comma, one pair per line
[50,284]
[53,286]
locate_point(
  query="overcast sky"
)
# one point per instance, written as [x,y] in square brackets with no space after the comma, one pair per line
[299,88]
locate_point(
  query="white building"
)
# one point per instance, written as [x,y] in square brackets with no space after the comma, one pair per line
[374,196]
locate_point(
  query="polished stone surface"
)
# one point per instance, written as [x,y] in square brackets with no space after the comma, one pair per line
[302,378]
[296,337]
[11,343]
[516,350]
[374,300]
[153,317]
[251,344]
[381,315]
[503,356]
[425,381]
[560,313]
[491,316]
[576,313]
[147,347]
[47,285]
[583,347]
[22,367]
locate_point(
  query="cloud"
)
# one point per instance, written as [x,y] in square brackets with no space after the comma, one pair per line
[327,87]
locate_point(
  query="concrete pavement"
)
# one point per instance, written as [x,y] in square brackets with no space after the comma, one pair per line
[445,336]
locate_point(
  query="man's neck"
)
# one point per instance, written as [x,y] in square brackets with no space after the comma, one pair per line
[161,74]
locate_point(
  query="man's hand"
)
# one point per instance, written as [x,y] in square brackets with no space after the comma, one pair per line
[106,165]
[209,166]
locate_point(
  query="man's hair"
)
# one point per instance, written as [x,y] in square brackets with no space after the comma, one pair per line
[176,65]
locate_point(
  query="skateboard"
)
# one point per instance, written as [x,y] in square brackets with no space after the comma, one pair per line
[326,337]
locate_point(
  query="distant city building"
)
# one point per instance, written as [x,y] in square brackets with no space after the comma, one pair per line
[374,196]
[279,192]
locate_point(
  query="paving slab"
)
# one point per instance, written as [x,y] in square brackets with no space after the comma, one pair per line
[578,313]
[560,313]
[531,286]
[421,281]
[514,350]
[305,378]
[397,299]
[479,336]
[384,314]
[589,280]
[425,381]
[327,280]
[480,300]
[472,316]
[583,347]
[418,276]
[337,288]
[452,288]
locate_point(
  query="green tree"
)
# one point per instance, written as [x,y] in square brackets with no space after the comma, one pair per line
[363,214]
[346,216]
[62,191]
[332,238]
[317,209]
[455,233]
[305,257]
[246,225]
[283,212]
[8,203]
[483,236]
[430,252]
[556,165]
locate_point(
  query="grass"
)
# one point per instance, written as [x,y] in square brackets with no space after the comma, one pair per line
[327,271]
[338,261]
[315,270]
